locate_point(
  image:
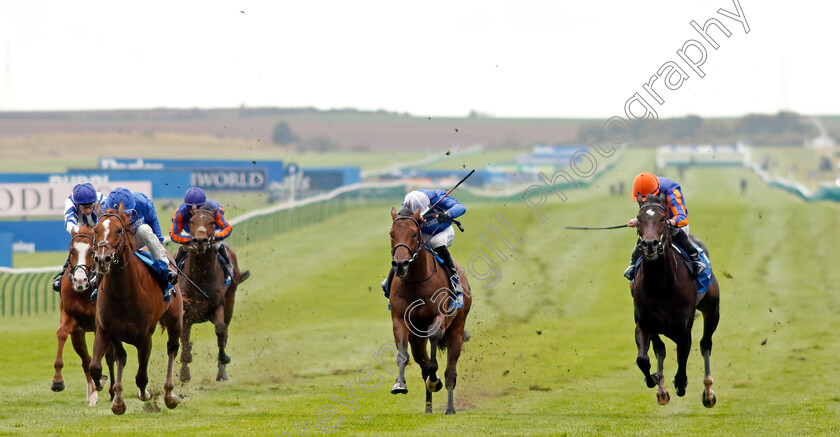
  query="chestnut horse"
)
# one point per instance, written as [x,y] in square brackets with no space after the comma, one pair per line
[208,298]
[129,306]
[420,299]
[78,312]
[665,300]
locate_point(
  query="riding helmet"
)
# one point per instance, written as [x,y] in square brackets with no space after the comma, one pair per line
[84,193]
[120,195]
[645,183]
[195,196]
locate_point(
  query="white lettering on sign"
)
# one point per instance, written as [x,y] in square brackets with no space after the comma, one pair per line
[138,164]
[242,180]
[47,198]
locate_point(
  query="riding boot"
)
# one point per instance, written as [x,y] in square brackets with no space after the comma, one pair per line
[443,253]
[681,238]
[227,264]
[56,284]
[386,284]
[630,272]
[180,257]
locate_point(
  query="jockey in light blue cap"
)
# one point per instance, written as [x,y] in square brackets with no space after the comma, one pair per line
[144,220]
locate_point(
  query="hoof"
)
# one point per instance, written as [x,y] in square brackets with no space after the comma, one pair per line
[433,386]
[93,399]
[118,409]
[147,397]
[428,408]
[221,376]
[663,398]
[184,375]
[399,389]
[171,401]
[680,391]
[103,380]
[57,386]
[450,412]
[709,402]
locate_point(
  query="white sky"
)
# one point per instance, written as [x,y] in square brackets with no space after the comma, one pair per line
[509,59]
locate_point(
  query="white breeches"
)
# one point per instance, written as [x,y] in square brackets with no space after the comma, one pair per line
[146,237]
[444,238]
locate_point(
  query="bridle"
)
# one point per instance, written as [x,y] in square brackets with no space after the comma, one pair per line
[661,249]
[413,252]
[90,274]
[118,248]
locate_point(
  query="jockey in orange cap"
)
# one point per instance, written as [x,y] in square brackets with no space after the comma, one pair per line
[647,183]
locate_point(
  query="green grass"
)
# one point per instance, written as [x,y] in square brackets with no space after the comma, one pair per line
[552,349]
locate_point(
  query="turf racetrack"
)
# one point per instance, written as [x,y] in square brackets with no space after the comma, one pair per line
[552,349]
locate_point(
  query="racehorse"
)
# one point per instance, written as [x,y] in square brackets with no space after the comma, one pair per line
[78,312]
[665,300]
[208,298]
[129,306]
[420,299]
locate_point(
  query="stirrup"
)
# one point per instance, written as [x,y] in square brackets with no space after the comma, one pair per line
[56,284]
[456,303]
[630,272]
[699,268]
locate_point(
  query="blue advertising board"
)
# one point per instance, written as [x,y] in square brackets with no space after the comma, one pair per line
[328,178]
[165,183]
[273,170]
[6,249]
[37,235]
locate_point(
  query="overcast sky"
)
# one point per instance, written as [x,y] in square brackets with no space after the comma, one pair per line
[508,59]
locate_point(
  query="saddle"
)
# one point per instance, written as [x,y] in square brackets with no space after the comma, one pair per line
[159,271]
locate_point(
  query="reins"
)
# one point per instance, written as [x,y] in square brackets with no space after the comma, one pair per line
[420,245]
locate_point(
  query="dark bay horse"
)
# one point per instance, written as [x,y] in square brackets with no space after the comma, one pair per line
[420,309]
[129,307]
[208,298]
[78,313]
[665,300]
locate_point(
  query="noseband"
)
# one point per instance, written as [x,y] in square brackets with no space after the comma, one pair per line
[413,252]
[661,249]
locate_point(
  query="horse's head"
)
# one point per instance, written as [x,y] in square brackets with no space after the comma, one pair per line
[653,229]
[202,230]
[405,239]
[81,259]
[110,238]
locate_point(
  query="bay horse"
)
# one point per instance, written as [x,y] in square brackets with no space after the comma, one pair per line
[208,298]
[665,300]
[420,311]
[78,313]
[129,306]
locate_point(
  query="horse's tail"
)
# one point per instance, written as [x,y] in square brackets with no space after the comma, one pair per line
[443,344]
[243,276]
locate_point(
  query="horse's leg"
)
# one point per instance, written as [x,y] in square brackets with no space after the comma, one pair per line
[642,360]
[221,341]
[454,344]
[186,353]
[144,352]
[711,316]
[101,344]
[77,337]
[66,326]
[662,396]
[109,359]
[683,349]
[174,327]
[433,383]
[118,405]
[401,341]
[421,357]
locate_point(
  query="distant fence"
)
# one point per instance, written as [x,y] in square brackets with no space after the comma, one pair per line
[29,291]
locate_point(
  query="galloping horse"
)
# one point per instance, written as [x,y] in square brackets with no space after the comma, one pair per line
[420,308]
[78,313]
[129,306]
[665,300]
[208,298]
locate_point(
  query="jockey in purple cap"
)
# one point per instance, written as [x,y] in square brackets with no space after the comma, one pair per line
[81,208]
[196,199]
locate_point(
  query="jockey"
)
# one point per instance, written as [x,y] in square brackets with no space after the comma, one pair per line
[647,183]
[194,200]
[82,206]
[144,220]
[436,230]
